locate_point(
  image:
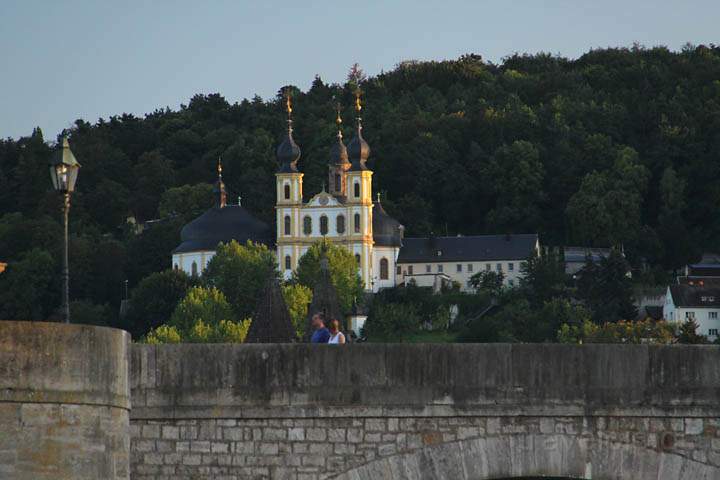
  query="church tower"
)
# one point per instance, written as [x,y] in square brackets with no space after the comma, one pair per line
[339,163]
[359,199]
[289,195]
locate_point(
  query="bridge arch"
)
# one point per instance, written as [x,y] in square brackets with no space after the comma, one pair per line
[533,455]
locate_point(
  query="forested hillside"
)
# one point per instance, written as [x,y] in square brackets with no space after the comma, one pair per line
[618,147]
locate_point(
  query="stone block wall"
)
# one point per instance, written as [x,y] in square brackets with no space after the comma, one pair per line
[425,411]
[64,402]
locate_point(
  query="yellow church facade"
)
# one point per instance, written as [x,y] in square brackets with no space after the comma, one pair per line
[345,214]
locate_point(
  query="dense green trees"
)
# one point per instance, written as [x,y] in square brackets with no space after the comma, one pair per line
[617,147]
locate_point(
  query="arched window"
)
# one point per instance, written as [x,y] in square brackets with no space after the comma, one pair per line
[383,269]
[287,192]
[357,223]
[357,259]
[338,183]
[307,225]
[323,225]
[340,224]
[287,224]
[194,269]
[288,265]
[356,189]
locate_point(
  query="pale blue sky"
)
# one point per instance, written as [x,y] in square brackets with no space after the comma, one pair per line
[63,60]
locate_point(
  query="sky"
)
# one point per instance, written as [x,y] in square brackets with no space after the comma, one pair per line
[63,60]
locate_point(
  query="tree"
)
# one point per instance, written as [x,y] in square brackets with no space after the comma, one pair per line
[206,305]
[87,313]
[297,298]
[29,287]
[154,300]
[488,281]
[515,176]
[240,272]
[688,333]
[543,277]
[391,322]
[343,271]
[187,201]
[606,288]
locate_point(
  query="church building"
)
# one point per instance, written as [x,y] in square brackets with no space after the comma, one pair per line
[344,214]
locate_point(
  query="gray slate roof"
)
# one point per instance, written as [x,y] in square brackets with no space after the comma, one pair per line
[695,296]
[471,248]
[217,225]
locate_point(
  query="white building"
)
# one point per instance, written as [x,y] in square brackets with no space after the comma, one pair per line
[694,300]
[433,260]
[219,224]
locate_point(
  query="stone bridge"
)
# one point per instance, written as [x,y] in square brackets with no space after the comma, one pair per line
[439,411]
[500,411]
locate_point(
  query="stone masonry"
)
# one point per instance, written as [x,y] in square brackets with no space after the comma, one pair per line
[425,411]
[306,449]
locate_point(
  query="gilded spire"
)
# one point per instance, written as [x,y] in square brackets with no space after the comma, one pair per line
[338,121]
[288,109]
[358,108]
[219,189]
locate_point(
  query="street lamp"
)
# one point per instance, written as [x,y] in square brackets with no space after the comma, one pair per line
[64,172]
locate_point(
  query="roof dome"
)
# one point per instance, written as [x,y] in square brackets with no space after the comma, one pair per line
[387,232]
[338,152]
[217,225]
[288,153]
[358,150]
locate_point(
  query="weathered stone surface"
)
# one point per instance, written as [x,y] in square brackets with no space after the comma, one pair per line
[64,402]
[434,411]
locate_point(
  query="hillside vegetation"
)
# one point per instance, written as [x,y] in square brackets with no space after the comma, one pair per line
[617,147]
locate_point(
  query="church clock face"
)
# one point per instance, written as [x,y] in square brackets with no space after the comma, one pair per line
[323,200]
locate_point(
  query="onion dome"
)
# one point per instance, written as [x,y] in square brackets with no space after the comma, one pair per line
[218,225]
[338,152]
[288,153]
[358,149]
[387,232]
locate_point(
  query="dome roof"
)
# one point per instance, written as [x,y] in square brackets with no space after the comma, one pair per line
[387,232]
[217,225]
[358,150]
[288,153]
[338,152]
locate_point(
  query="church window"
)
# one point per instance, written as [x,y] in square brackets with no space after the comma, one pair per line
[713,315]
[428,268]
[487,267]
[713,332]
[440,269]
[498,267]
[356,189]
[399,270]
[511,266]
[357,259]
[410,270]
[287,192]
[384,269]
[194,269]
[458,267]
[338,183]
[470,267]
[287,224]
[307,225]
[340,224]
[357,223]
[288,264]
[323,225]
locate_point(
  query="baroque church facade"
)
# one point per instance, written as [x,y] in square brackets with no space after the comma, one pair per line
[344,214]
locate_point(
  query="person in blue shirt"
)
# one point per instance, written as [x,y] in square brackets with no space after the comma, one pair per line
[321,333]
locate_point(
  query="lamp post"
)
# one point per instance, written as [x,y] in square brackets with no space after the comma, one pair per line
[64,171]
